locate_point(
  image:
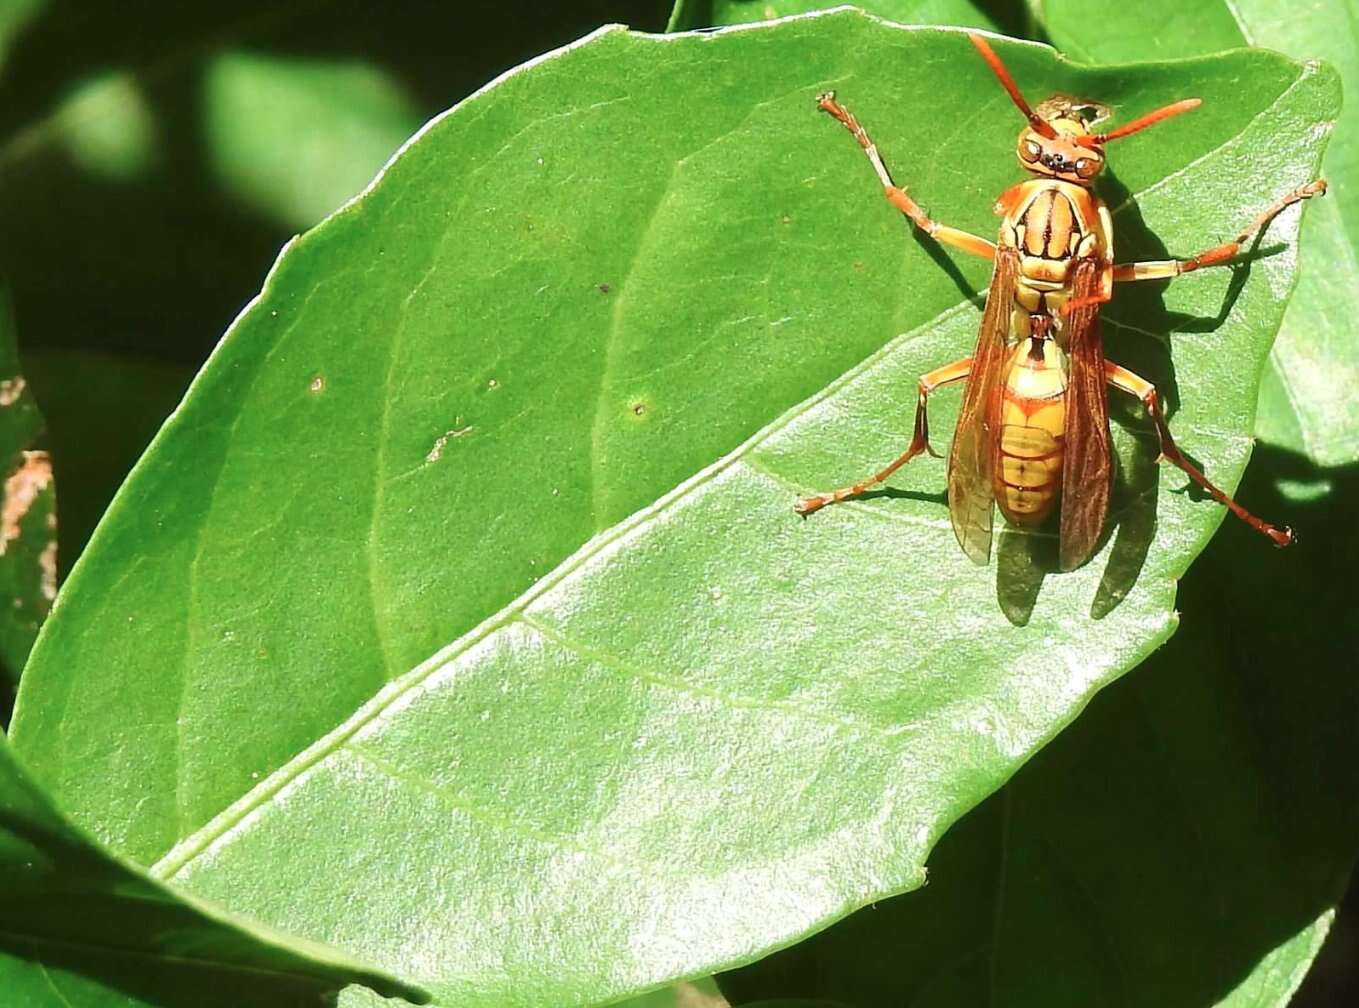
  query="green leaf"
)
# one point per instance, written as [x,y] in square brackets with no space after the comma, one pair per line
[1306,401]
[690,14]
[28,544]
[1182,844]
[296,138]
[538,405]
[78,926]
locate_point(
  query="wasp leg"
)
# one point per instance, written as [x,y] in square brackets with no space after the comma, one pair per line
[920,440]
[896,195]
[1219,254]
[1125,380]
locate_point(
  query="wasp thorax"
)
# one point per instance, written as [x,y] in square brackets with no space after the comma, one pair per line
[1060,156]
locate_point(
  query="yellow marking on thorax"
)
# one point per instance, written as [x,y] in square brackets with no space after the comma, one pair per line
[1052,223]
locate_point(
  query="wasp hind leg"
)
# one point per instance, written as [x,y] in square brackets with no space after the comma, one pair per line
[1219,254]
[920,439]
[1126,381]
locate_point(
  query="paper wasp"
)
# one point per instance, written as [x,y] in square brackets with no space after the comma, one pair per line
[1034,423]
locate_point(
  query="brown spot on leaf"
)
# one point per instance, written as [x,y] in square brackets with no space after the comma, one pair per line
[22,488]
[639,409]
[604,288]
[434,454]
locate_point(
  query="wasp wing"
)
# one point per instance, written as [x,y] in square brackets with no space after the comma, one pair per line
[1087,464]
[971,494]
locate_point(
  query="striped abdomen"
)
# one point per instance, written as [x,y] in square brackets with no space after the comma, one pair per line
[1028,466]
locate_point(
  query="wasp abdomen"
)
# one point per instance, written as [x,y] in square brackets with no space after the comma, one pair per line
[1032,419]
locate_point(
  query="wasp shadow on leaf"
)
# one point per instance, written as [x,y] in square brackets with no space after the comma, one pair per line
[892,493]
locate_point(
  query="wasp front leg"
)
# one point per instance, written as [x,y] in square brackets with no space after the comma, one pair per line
[1125,380]
[1218,254]
[897,196]
[920,439]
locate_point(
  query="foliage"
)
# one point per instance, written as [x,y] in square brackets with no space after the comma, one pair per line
[478,519]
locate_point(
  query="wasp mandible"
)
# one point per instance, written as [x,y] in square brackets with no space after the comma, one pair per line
[1033,428]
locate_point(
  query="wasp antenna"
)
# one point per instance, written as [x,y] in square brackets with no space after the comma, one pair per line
[1150,119]
[1039,124]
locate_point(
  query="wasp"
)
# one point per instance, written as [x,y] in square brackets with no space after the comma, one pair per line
[1033,428]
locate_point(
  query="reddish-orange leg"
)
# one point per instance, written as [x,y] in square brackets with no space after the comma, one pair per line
[920,439]
[1127,381]
[1219,254]
[897,196]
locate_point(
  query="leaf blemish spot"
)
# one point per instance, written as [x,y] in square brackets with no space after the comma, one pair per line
[437,451]
[318,384]
[604,288]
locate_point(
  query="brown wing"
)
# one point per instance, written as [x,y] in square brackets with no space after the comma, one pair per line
[971,495]
[1087,464]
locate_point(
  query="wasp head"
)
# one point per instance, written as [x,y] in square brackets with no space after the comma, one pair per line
[1068,154]
[1057,142]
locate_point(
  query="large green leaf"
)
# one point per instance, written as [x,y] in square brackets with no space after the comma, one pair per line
[80,927]
[538,405]
[1307,400]
[1180,846]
